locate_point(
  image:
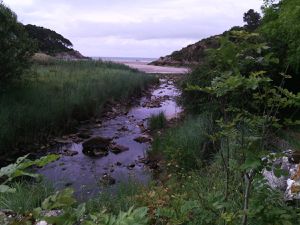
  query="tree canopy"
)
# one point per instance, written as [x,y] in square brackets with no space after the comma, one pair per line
[281,28]
[252,19]
[48,41]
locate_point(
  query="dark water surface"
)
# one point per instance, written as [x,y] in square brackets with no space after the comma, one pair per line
[84,173]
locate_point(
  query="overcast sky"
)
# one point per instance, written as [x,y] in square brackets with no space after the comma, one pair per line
[134,28]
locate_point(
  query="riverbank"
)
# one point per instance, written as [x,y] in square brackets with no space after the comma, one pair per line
[121,138]
[53,98]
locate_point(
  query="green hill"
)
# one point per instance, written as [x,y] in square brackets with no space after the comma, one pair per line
[192,54]
[52,43]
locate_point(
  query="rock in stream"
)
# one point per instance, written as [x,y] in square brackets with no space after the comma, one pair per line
[96,147]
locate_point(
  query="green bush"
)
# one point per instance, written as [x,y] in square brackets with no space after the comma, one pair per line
[280,27]
[16,47]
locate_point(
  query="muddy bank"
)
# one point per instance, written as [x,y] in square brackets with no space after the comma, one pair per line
[113,149]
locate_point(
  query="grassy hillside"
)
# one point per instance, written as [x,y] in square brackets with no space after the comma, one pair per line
[193,54]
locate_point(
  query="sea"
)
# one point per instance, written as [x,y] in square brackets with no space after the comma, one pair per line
[126,59]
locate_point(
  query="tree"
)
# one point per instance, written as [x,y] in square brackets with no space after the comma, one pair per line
[48,41]
[281,28]
[252,19]
[16,47]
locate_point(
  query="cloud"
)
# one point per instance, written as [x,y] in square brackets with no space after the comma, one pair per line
[156,27]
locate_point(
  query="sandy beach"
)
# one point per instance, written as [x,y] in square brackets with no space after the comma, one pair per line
[144,67]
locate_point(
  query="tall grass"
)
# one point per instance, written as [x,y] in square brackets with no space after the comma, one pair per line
[158,121]
[120,200]
[27,197]
[189,144]
[52,98]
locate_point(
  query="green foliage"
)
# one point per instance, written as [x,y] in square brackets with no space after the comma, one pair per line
[16,47]
[214,160]
[19,201]
[190,55]
[52,98]
[241,54]
[187,146]
[48,41]
[252,19]
[243,127]
[65,202]
[281,29]
[131,217]
[59,200]
[157,121]
[179,212]
[120,200]
[64,208]
[72,213]
[268,207]
[18,169]
[236,81]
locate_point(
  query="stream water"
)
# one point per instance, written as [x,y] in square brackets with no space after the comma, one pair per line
[84,173]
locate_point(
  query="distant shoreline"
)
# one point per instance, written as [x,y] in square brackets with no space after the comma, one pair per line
[152,69]
[126,59]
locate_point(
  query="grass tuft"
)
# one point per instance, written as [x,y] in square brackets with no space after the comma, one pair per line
[27,197]
[120,200]
[189,144]
[157,122]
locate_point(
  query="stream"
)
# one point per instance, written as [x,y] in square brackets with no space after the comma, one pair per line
[85,174]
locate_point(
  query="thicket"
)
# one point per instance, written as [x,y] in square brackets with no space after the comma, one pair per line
[15,46]
[281,29]
[246,86]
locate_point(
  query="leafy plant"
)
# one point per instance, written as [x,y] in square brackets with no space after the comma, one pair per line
[70,213]
[18,169]
[243,126]
[281,29]
[19,202]
[131,217]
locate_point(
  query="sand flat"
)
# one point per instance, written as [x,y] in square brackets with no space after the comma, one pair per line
[144,67]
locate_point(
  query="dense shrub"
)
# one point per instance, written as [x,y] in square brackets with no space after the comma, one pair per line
[16,47]
[281,28]
[245,54]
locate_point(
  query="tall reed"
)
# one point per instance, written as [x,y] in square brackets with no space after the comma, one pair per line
[53,97]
